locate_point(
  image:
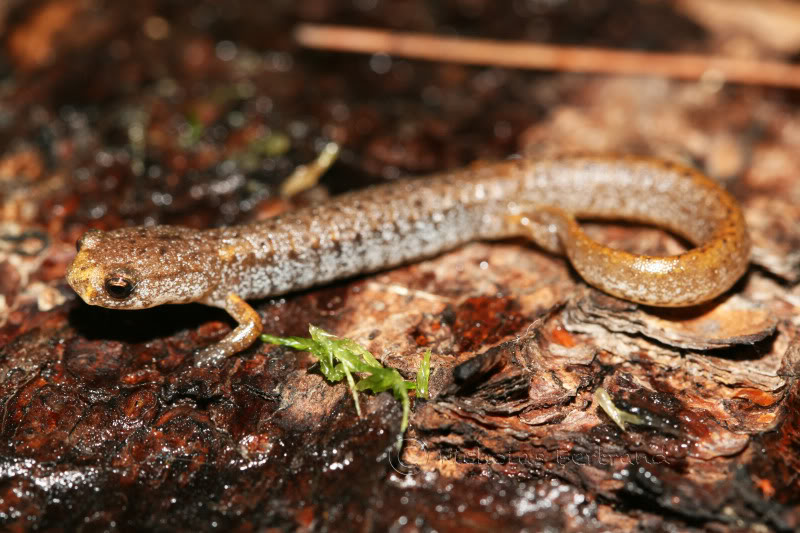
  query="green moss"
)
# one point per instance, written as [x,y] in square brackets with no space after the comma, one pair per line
[343,359]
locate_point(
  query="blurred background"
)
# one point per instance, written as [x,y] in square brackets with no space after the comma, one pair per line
[195,112]
[179,106]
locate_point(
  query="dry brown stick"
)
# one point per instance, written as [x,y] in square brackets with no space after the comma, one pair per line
[548,57]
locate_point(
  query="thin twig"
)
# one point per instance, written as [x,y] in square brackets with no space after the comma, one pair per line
[548,57]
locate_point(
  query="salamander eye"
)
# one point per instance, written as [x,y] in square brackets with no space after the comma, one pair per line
[119,287]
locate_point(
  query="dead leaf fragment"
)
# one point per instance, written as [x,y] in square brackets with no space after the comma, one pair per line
[715,325]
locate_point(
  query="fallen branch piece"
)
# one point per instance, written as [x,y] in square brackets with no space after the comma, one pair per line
[548,57]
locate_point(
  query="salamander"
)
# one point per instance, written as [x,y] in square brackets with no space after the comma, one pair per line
[404,221]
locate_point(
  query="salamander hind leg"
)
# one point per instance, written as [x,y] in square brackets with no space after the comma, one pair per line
[666,281]
[636,278]
[544,225]
[241,337]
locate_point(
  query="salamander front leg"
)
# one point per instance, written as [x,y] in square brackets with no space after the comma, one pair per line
[241,337]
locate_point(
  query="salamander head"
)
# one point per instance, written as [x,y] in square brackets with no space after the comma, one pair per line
[135,268]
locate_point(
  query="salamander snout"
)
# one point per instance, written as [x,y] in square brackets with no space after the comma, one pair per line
[89,275]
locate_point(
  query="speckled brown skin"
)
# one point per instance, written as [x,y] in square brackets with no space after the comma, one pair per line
[388,225]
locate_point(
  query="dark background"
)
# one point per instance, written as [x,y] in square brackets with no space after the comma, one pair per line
[194,112]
